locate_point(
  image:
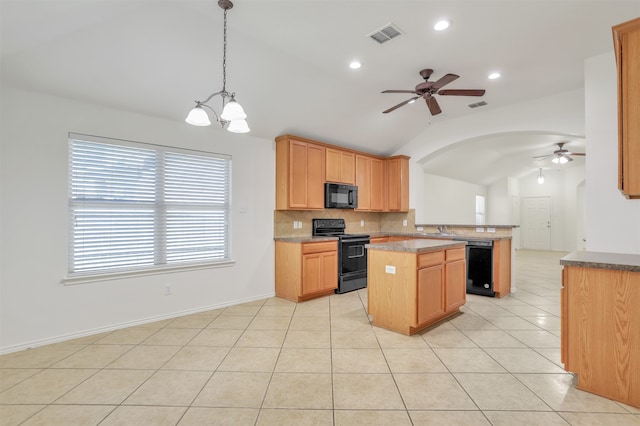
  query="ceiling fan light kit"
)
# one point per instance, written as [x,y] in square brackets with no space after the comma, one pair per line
[540,177]
[561,155]
[428,89]
[233,115]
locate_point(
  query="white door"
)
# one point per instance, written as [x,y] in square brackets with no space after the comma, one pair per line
[536,223]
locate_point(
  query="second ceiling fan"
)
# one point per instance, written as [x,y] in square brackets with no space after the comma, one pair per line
[428,89]
[560,155]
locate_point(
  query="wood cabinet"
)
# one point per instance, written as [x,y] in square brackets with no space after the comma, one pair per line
[502,267]
[455,279]
[340,166]
[306,270]
[397,184]
[626,39]
[304,165]
[376,203]
[410,291]
[299,174]
[363,182]
[600,331]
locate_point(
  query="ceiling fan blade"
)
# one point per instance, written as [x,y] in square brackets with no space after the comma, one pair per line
[398,91]
[444,81]
[462,92]
[434,108]
[575,153]
[544,156]
[400,104]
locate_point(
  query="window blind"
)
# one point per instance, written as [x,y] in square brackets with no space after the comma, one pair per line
[140,206]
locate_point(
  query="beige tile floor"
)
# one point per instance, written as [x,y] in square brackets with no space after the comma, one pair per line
[272,362]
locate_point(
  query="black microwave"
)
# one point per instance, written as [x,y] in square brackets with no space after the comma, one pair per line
[337,196]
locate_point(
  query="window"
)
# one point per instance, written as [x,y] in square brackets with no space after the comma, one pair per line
[136,206]
[480,210]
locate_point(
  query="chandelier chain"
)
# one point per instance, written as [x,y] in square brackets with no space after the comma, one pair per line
[224,54]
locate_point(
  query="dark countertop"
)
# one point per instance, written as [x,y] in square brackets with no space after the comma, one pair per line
[416,246]
[612,261]
[449,225]
[457,237]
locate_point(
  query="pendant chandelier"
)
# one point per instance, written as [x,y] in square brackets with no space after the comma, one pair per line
[233,115]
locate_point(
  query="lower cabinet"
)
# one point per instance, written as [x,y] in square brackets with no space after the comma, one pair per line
[600,331]
[410,291]
[306,270]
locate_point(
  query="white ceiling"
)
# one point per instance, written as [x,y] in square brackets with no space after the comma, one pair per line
[287,60]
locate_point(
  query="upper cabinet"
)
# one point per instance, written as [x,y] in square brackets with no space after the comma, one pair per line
[340,166]
[626,39]
[397,184]
[299,174]
[303,166]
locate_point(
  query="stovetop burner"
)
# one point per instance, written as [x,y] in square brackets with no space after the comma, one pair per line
[332,228]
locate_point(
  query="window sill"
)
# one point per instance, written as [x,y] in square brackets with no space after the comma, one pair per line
[90,278]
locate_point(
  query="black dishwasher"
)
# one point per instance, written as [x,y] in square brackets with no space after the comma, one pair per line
[480,267]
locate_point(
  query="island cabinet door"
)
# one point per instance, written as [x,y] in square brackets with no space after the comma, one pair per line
[430,293]
[456,289]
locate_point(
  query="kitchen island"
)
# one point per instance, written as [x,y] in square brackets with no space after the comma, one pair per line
[415,283]
[600,329]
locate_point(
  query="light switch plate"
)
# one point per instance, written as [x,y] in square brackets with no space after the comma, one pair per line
[479,229]
[491,229]
[420,229]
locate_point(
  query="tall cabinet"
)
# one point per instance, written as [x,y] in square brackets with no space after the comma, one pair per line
[300,174]
[626,40]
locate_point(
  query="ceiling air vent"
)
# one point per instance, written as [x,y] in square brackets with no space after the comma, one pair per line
[477,104]
[385,33]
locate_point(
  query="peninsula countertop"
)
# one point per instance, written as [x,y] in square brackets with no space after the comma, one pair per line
[416,246]
[598,260]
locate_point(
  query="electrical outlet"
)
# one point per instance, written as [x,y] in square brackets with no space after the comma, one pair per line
[167,290]
[299,224]
[362,223]
[389,269]
[404,222]
[420,229]
[295,224]
[491,229]
[479,229]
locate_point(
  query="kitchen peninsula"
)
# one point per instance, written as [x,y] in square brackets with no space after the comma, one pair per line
[600,329]
[415,283]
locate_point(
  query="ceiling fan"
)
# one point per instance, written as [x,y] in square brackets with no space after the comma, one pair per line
[427,89]
[560,155]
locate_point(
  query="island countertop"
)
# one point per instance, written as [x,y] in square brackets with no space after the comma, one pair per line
[416,246]
[598,260]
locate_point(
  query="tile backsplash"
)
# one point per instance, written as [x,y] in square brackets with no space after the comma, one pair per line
[356,222]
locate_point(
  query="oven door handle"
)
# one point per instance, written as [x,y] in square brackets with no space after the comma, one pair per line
[356,240]
[357,255]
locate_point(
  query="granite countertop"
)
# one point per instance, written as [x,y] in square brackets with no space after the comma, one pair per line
[613,261]
[449,225]
[306,239]
[416,246]
[457,237]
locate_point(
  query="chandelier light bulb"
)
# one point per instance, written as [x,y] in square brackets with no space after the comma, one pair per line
[238,126]
[540,177]
[233,111]
[198,117]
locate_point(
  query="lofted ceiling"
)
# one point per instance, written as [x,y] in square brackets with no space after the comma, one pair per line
[288,60]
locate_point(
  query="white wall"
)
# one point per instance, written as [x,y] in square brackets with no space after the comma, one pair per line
[449,201]
[560,184]
[35,308]
[613,222]
[561,113]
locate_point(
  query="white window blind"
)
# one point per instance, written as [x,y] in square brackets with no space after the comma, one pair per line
[139,206]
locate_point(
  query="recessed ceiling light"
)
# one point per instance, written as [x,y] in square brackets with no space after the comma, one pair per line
[354,65]
[442,24]
[494,75]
